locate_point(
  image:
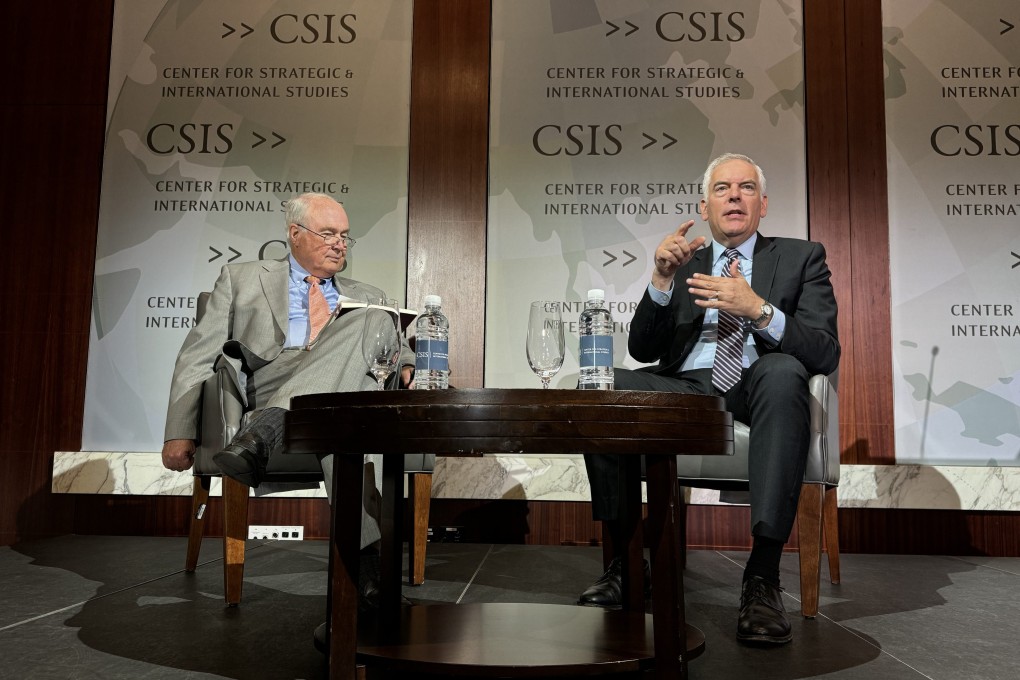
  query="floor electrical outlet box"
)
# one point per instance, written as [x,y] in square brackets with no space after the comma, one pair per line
[276,533]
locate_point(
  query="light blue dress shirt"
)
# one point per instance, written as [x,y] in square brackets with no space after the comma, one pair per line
[703,354]
[299,327]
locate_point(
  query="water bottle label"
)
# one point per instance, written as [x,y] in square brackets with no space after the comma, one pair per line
[432,355]
[596,351]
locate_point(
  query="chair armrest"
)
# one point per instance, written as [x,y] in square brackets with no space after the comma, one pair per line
[222,409]
[823,452]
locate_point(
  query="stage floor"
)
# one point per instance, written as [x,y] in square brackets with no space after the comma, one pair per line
[122,608]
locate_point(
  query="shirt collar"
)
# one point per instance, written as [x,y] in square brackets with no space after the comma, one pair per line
[746,249]
[298,273]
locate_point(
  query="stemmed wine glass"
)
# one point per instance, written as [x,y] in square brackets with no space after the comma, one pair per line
[545,340]
[381,340]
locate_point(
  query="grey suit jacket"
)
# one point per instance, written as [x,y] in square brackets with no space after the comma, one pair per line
[244,326]
[789,273]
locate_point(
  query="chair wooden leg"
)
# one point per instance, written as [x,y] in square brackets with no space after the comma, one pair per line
[809,531]
[419,494]
[685,495]
[830,519]
[199,503]
[235,531]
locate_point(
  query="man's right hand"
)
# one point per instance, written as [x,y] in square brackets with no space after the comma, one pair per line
[178,454]
[674,252]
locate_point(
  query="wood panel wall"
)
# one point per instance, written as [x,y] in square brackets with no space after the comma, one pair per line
[52,111]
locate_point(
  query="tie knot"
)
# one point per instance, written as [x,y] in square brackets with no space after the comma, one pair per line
[314,280]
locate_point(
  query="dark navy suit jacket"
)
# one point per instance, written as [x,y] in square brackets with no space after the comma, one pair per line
[791,274]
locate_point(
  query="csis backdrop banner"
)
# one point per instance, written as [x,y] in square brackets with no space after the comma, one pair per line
[603,118]
[953,122]
[218,113]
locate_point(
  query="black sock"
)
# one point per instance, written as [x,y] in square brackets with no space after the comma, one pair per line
[764,559]
[617,534]
[267,425]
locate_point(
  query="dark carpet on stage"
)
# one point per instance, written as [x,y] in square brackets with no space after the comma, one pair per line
[123,608]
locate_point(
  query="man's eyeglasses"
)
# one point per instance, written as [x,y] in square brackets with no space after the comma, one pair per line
[331,239]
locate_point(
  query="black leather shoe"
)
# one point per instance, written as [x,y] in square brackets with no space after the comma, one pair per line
[244,459]
[319,634]
[368,583]
[319,638]
[608,590]
[762,615]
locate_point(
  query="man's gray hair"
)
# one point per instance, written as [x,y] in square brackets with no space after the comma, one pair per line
[298,207]
[726,157]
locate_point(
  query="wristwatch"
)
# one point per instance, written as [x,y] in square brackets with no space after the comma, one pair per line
[762,321]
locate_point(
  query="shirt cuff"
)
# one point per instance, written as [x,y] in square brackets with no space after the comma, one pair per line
[773,333]
[658,297]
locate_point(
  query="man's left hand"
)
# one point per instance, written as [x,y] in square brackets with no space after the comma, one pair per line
[731,293]
[405,375]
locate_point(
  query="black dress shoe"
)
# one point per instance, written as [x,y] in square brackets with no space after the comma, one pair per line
[608,590]
[244,459]
[762,616]
[319,634]
[319,637]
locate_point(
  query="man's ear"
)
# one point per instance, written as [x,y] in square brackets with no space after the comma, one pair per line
[704,210]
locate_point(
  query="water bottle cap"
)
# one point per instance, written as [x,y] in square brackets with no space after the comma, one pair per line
[597,294]
[433,301]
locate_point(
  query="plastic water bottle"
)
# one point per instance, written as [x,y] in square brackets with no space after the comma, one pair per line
[432,347]
[596,355]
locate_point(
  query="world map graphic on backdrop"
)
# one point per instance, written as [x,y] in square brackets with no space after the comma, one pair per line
[603,118]
[218,113]
[953,124]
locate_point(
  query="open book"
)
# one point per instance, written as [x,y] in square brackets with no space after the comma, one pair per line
[407,316]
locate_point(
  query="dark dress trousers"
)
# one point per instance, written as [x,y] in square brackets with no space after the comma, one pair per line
[771,396]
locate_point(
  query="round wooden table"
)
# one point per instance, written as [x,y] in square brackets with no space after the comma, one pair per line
[510,640]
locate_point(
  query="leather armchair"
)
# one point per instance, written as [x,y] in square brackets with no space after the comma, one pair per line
[817,507]
[222,415]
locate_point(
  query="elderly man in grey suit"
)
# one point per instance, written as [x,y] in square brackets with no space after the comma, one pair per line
[260,320]
[749,318]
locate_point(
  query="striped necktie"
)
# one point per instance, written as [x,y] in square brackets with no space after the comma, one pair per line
[318,308]
[729,348]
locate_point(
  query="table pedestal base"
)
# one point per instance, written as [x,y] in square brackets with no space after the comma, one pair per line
[517,640]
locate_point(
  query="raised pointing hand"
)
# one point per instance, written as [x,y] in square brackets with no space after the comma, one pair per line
[674,252]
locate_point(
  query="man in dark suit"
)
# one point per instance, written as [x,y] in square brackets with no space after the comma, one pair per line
[770,303]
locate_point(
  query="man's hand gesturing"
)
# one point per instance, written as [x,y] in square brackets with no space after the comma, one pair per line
[674,252]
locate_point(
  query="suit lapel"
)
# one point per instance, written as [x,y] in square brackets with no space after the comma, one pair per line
[700,264]
[766,262]
[275,286]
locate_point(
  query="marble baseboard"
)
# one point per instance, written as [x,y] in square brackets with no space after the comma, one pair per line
[563,478]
